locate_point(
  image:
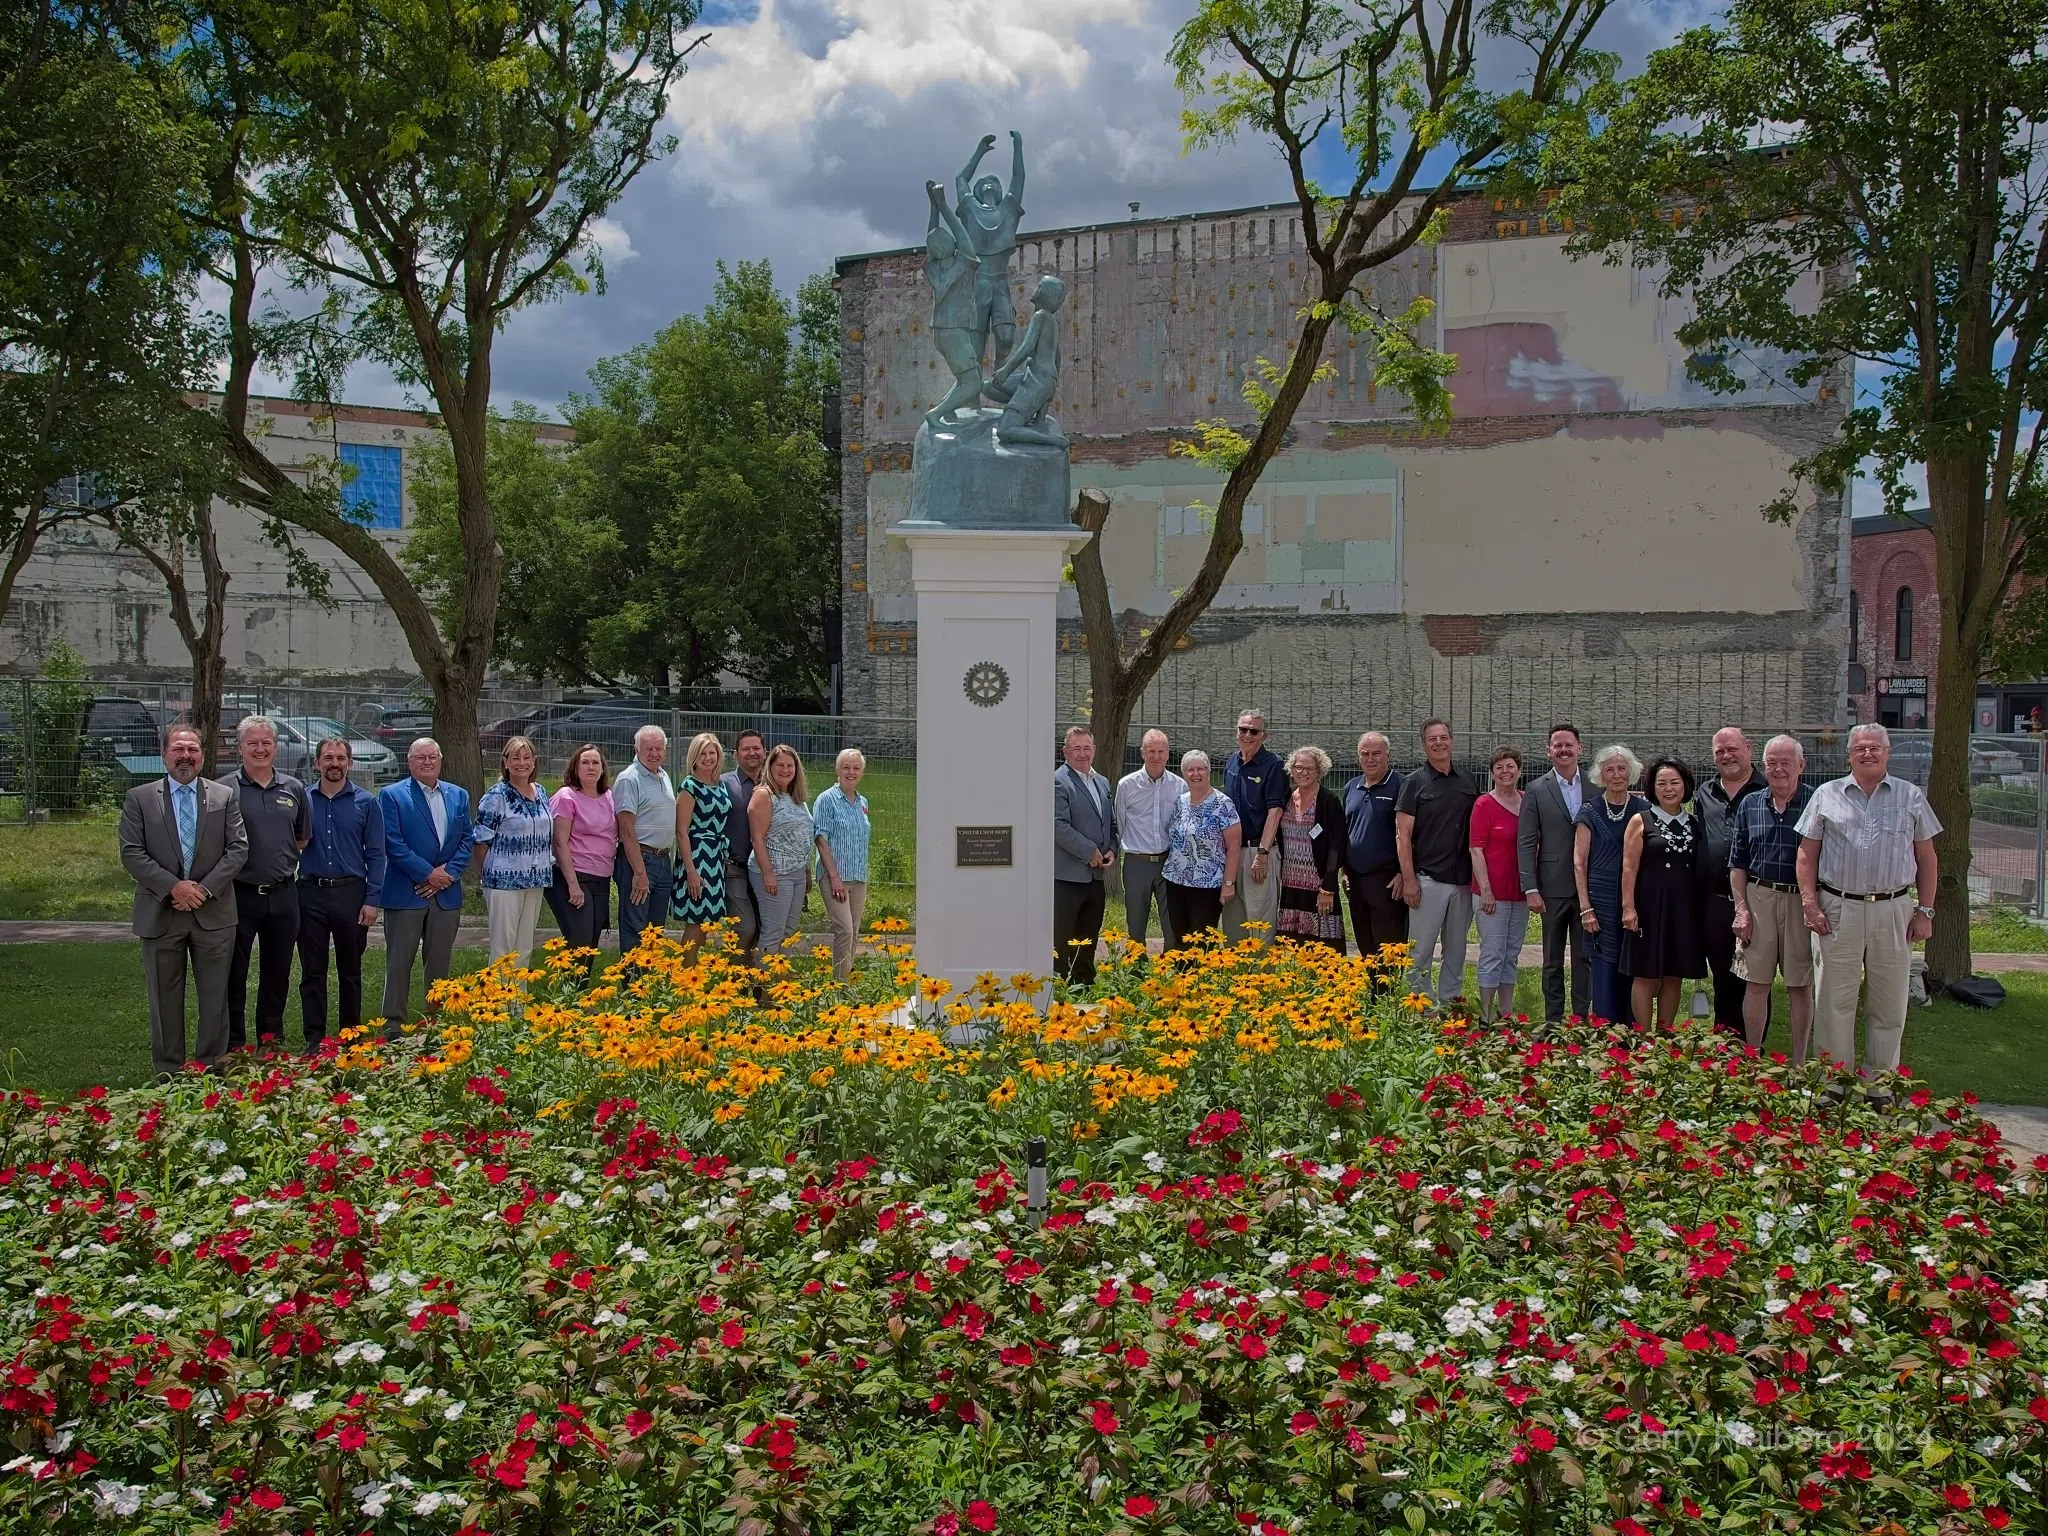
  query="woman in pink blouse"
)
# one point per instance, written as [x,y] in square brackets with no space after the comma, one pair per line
[1503,914]
[586,839]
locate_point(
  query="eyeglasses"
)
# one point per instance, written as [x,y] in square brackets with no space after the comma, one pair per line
[1250,730]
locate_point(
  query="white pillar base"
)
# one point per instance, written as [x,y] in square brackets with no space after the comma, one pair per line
[987,614]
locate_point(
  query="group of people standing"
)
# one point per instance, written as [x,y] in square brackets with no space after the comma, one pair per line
[259,865]
[1645,878]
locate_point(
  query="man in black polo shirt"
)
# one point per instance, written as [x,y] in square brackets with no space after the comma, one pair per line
[279,823]
[1735,779]
[1433,835]
[1763,874]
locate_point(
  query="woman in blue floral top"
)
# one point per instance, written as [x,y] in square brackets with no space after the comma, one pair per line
[703,814]
[517,834]
[1202,846]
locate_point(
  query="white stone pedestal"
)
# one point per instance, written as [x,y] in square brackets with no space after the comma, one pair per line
[987,744]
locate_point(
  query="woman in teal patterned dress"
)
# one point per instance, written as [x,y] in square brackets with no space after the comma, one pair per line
[703,812]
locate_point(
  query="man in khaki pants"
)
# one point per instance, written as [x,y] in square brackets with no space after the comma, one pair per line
[1866,886]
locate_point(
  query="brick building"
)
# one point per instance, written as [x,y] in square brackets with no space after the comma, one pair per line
[1585,542]
[1895,634]
[1894,620]
[109,604]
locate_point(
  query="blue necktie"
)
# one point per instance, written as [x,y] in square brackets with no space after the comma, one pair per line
[186,798]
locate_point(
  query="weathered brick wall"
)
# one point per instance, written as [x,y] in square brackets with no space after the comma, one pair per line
[1882,563]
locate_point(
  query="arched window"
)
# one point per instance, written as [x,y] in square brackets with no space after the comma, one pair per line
[1902,641]
[1855,623]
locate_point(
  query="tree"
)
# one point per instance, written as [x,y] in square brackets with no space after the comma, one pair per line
[1388,89]
[96,338]
[428,170]
[1893,146]
[692,528]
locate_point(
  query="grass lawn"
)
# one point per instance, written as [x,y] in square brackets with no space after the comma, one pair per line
[74,1014]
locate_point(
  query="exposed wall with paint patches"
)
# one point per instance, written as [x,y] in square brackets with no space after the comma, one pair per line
[1593,517]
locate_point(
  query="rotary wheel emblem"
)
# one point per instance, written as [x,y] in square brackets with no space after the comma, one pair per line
[986,684]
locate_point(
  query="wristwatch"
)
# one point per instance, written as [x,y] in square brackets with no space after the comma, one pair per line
[1926,912]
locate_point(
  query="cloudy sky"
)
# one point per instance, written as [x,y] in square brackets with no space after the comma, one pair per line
[808,127]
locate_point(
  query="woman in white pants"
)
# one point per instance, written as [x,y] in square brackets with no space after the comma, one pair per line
[516,832]
[779,817]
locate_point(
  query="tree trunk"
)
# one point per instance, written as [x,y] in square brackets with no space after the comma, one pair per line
[208,641]
[1958,666]
[1112,691]
[458,692]
[18,553]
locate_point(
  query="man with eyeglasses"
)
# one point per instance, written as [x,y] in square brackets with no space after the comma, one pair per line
[1256,781]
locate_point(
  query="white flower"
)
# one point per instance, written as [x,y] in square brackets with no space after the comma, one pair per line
[781,1202]
[1741,1433]
[1404,1342]
[181,1239]
[429,1503]
[1294,1364]
[1100,1216]
[300,1402]
[1155,1162]
[936,1218]
[213,1148]
[1631,1294]
[454,1410]
[868,1245]
[1390,1501]
[573,1201]
[1070,1346]
[1562,1371]
[416,1395]
[1208,1333]
[692,1223]
[112,1500]
[1398,1417]
[1802,1254]
[1776,1305]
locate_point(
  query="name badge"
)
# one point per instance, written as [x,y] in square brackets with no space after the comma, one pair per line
[1316,830]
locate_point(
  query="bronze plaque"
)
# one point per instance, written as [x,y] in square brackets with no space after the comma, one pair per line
[981,847]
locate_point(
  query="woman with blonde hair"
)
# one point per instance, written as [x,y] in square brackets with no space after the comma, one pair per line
[703,814]
[1596,859]
[841,819]
[779,817]
[515,829]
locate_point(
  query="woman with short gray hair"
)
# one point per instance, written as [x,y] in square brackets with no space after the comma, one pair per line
[1203,843]
[1596,859]
[1313,839]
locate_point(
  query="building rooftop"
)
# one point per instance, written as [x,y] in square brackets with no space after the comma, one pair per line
[1883,522]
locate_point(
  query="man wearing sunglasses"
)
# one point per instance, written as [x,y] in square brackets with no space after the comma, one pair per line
[1256,781]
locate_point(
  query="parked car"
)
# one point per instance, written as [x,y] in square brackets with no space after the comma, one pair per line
[396,724]
[532,721]
[298,746]
[1991,761]
[609,725]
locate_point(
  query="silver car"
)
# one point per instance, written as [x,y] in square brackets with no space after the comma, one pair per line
[299,738]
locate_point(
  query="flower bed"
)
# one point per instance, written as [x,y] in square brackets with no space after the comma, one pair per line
[649,1257]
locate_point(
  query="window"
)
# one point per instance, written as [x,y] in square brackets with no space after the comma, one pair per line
[1902,641]
[374,496]
[1855,623]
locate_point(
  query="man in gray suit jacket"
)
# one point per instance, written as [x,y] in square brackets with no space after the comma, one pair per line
[1544,844]
[183,840]
[1084,849]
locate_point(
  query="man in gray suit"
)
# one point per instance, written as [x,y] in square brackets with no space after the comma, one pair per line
[1084,849]
[1544,843]
[182,839]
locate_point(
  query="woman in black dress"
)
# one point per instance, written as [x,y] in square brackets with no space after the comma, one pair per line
[1660,918]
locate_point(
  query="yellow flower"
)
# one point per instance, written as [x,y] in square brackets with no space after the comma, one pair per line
[725,1114]
[932,988]
[1086,1130]
[821,1077]
[1004,1095]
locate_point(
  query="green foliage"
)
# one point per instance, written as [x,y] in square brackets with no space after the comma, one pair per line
[559,562]
[97,334]
[691,527]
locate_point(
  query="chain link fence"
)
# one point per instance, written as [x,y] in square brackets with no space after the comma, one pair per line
[70,748]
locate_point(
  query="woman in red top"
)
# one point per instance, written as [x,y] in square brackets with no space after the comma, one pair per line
[1503,913]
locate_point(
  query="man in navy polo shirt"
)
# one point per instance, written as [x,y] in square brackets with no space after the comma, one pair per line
[1372,862]
[1256,781]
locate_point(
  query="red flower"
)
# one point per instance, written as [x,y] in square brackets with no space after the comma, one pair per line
[1810,1497]
[1018,1354]
[1540,1438]
[267,1498]
[947,1524]
[638,1422]
[178,1399]
[353,1437]
[981,1515]
[1765,1394]
[1650,1352]
[1957,1496]
[1138,1506]
[1997,1518]
[731,1335]
[2038,1408]
[1253,1345]
[1103,1418]
[1302,1422]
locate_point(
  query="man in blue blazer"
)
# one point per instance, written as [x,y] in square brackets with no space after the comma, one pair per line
[427,840]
